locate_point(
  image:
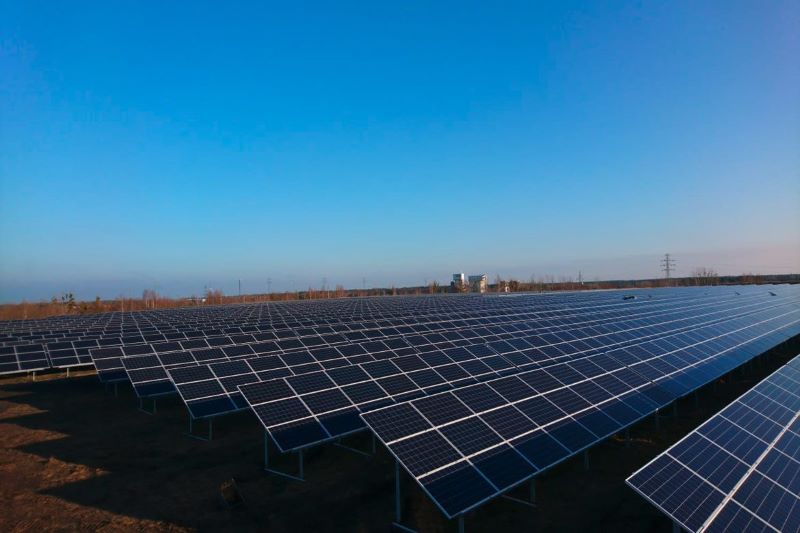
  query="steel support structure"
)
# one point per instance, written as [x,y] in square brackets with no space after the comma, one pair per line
[300,476]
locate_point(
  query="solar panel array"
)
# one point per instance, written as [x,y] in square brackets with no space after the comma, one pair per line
[299,411]
[440,328]
[464,451]
[740,470]
[472,395]
[214,393]
[62,342]
[203,390]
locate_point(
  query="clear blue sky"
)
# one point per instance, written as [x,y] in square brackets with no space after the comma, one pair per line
[181,144]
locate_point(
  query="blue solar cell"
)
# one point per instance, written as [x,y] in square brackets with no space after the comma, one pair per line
[325,401]
[540,449]
[298,434]
[511,388]
[379,369]
[398,422]
[396,385]
[281,411]
[424,452]
[503,466]
[312,382]
[508,422]
[458,487]
[470,435]
[479,397]
[191,373]
[441,408]
[342,422]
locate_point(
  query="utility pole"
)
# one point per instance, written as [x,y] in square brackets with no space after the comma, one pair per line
[667,266]
[240,290]
[269,285]
[580,277]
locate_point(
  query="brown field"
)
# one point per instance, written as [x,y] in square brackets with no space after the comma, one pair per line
[73,457]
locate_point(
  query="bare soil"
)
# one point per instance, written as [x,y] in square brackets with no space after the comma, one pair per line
[75,457]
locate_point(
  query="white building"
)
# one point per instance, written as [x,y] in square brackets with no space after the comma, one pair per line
[478,283]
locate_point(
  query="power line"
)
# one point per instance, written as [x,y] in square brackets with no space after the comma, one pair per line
[667,266]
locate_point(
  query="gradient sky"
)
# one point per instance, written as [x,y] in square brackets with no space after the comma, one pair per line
[179,145]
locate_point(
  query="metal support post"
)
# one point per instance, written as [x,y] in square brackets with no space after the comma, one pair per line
[142,409]
[267,468]
[398,510]
[300,463]
[191,434]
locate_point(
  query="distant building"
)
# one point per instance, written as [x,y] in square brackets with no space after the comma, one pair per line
[478,283]
[458,279]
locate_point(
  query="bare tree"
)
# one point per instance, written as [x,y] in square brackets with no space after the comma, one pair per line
[68,302]
[149,298]
[705,276]
[433,287]
[498,281]
[749,277]
[214,296]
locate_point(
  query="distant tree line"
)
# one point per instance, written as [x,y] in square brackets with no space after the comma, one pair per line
[66,304]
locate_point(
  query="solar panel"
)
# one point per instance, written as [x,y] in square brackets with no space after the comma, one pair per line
[23,358]
[332,357]
[740,470]
[541,428]
[212,337]
[377,391]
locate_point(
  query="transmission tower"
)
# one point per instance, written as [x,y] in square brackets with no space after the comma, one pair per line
[667,266]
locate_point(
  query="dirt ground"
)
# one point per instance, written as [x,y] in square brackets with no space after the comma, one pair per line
[74,457]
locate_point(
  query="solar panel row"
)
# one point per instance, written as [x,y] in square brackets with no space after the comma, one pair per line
[150,375]
[276,315]
[740,470]
[472,395]
[111,367]
[70,347]
[463,452]
[65,352]
[296,418]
